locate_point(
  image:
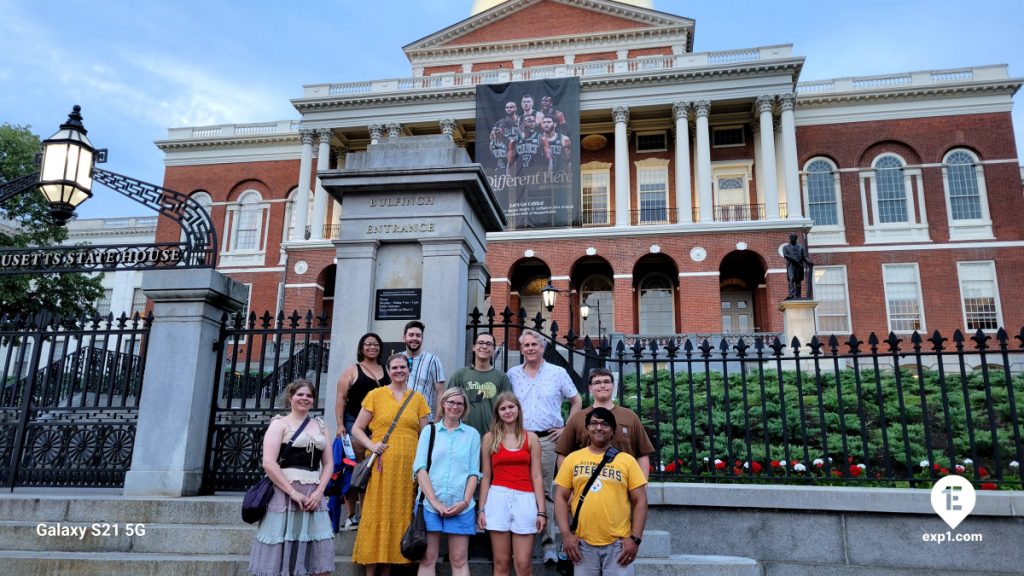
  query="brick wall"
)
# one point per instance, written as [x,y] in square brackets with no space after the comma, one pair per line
[546,19]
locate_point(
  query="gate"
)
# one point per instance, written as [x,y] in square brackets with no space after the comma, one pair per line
[256,359]
[70,398]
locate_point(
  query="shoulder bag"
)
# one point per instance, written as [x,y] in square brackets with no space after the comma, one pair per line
[414,541]
[257,498]
[565,566]
[361,474]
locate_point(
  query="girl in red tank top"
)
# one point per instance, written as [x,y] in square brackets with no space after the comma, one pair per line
[511,490]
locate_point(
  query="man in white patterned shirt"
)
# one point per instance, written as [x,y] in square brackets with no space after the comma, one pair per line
[542,388]
[426,375]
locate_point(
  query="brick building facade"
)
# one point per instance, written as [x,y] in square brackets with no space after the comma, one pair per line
[907,187]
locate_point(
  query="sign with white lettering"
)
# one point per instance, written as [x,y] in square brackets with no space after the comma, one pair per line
[398,304]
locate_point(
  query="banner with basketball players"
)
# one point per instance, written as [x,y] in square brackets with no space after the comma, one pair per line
[527,139]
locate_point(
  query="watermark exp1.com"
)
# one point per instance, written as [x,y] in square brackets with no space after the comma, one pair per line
[953,499]
[947,536]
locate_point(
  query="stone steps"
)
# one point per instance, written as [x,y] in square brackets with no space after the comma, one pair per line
[205,535]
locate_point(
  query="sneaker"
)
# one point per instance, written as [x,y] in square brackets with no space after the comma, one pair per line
[550,557]
[352,523]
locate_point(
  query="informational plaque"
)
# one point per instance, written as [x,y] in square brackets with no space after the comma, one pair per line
[398,304]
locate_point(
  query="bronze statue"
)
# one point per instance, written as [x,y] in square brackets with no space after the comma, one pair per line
[796,260]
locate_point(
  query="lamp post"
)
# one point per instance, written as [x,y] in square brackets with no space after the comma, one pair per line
[585,313]
[549,295]
[65,179]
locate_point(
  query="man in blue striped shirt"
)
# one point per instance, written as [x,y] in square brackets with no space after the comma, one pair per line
[426,375]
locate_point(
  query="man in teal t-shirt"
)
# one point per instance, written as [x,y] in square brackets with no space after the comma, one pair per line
[482,383]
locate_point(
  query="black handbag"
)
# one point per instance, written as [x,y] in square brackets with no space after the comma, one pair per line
[257,498]
[414,541]
[361,475]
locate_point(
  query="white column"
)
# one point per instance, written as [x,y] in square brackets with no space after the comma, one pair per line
[771,191]
[791,171]
[301,209]
[758,174]
[703,110]
[323,162]
[680,111]
[621,116]
[394,129]
[448,127]
[376,132]
[780,183]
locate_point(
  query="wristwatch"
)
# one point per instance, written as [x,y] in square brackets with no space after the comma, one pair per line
[635,540]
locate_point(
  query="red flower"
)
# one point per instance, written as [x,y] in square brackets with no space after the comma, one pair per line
[756,467]
[989,486]
[775,464]
[935,467]
[855,470]
[836,473]
[982,471]
[737,471]
[719,464]
[944,471]
[674,466]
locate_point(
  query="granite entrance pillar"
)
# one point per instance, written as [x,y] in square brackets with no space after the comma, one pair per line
[412,245]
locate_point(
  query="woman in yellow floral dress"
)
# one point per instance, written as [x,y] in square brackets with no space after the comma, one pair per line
[387,506]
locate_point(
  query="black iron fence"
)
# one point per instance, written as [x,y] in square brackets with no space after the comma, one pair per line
[257,358]
[69,404]
[903,410]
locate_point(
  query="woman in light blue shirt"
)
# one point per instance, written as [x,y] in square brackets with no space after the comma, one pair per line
[449,486]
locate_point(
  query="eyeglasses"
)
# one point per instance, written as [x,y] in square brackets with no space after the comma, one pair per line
[606,382]
[599,424]
[484,343]
[454,404]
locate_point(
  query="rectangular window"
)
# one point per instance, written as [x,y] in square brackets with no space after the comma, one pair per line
[903,297]
[595,198]
[138,302]
[653,192]
[979,295]
[651,142]
[832,294]
[103,304]
[727,136]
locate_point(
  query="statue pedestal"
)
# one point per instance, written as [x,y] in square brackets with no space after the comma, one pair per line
[798,322]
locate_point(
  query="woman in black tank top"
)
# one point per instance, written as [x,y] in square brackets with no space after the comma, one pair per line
[354,384]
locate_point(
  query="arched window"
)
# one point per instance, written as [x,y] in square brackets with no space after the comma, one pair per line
[966,199]
[820,186]
[893,191]
[204,200]
[247,229]
[289,215]
[890,190]
[245,221]
[657,309]
[597,292]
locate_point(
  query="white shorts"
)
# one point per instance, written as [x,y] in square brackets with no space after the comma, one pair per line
[508,510]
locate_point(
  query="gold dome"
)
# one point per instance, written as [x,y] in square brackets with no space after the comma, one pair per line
[484,5]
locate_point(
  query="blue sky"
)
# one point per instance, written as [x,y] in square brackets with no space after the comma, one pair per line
[138,68]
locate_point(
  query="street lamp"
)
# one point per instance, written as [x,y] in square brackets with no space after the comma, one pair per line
[66,175]
[549,294]
[585,312]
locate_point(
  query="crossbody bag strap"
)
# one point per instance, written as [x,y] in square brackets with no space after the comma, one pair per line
[280,457]
[394,422]
[609,455]
[430,454]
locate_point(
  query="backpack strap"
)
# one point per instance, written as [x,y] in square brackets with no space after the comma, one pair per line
[609,455]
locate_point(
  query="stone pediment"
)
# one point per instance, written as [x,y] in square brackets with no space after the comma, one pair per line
[521,21]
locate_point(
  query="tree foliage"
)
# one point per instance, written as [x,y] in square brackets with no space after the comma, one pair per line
[66,294]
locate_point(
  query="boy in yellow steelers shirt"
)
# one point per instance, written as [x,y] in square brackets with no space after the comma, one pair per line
[612,518]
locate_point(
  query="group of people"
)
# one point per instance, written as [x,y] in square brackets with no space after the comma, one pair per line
[526,141]
[482,450]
